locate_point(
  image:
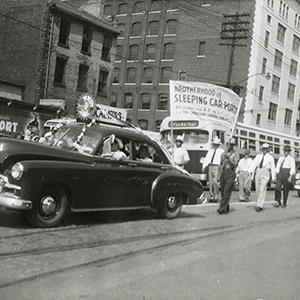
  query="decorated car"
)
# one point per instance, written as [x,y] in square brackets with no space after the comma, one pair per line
[91,168]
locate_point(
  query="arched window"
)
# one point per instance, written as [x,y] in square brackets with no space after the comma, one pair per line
[108,10]
[162,102]
[153,28]
[119,53]
[168,52]
[134,52]
[143,124]
[171,27]
[138,7]
[122,9]
[128,100]
[156,5]
[131,75]
[150,52]
[165,75]
[148,75]
[136,29]
[116,75]
[145,101]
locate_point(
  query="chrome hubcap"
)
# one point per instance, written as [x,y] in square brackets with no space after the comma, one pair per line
[48,205]
[172,202]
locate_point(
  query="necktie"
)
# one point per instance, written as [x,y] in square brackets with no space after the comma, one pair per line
[213,156]
[261,162]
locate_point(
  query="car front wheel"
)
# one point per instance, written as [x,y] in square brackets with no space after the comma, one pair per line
[171,206]
[49,208]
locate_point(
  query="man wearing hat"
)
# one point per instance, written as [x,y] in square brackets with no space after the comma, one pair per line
[244,177]
[229,162]
[180,155]
[263,165]
[212,160]
[285,170]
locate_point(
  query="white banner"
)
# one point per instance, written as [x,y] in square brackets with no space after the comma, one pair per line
[104,113]
[203,100]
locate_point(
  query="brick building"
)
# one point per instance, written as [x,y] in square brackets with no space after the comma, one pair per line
[53,50]
[168,39]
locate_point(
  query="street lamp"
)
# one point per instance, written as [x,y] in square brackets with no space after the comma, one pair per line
[267,75]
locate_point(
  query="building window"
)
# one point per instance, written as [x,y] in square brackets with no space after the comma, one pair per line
[258,117]
[267,35]
[150,52]
[60,70]
[269,18]
[122,9]
[116,75]
[107,41]
[145,101]
[108,9]
[64,32]
[272,111]
[128,100]
[136,29]
[82,77]
[206,2]
[162,102]
[119,52]
[293,67]
[288,117]
[171,27]
[278,59]
[281,33]
[143,124]
[148,75]
[168,52]
[122,27]
[283,10]
[296,43]
[138,7]
[291,91]
[264,66]
[271,3]
[86,40]
[165,75]
[156,5]
[275,84]
[134,52]
[102,86]
[113,100]
[131,75]
[201,49]
[261,94]
[153,28]
[157,125]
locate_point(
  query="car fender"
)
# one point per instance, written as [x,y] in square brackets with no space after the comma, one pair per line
[175,182]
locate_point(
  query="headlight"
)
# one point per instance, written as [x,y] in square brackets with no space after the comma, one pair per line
[201,160]
[17,171]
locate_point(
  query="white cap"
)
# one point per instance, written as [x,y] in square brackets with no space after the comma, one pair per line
[265,146]
[179,138]
[216,141]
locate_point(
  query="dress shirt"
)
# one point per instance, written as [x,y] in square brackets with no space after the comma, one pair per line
[181,156]
[267,163]
[217,158]
[244,164]
[289,163]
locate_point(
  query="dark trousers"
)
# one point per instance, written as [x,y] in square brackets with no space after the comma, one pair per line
[282,182]
[227,184]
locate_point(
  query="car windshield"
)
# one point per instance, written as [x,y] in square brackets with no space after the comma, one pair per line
[65,138]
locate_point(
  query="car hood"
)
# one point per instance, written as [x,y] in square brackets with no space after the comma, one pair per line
[20,149]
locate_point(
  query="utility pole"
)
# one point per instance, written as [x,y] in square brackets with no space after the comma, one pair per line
[234,28]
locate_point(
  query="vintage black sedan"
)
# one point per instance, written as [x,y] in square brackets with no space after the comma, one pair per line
[91,168]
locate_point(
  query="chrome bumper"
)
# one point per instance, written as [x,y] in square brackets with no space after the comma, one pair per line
[8,198]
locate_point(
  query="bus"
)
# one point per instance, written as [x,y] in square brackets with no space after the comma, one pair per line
[199,133]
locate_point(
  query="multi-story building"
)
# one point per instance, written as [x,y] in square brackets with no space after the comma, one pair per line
[257,56]
[51,53]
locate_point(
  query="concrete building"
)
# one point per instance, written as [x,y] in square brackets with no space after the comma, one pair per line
[51,53]
[164,40]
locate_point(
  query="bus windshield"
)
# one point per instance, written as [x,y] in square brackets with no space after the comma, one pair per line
[190,136]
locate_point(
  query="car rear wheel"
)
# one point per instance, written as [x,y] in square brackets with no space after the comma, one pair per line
[171,206]
[49,208]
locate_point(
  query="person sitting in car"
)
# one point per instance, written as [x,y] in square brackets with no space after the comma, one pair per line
[115,152]
[143,154]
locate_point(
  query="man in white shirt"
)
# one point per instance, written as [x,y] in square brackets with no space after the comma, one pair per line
[263,164]
[244,176]
[285,170]
[180,155]
[212,161]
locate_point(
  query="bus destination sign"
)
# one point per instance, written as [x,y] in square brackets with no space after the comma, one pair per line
[184,124]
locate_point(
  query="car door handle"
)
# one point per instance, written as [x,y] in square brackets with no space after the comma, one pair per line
[165,168]
[132,165]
